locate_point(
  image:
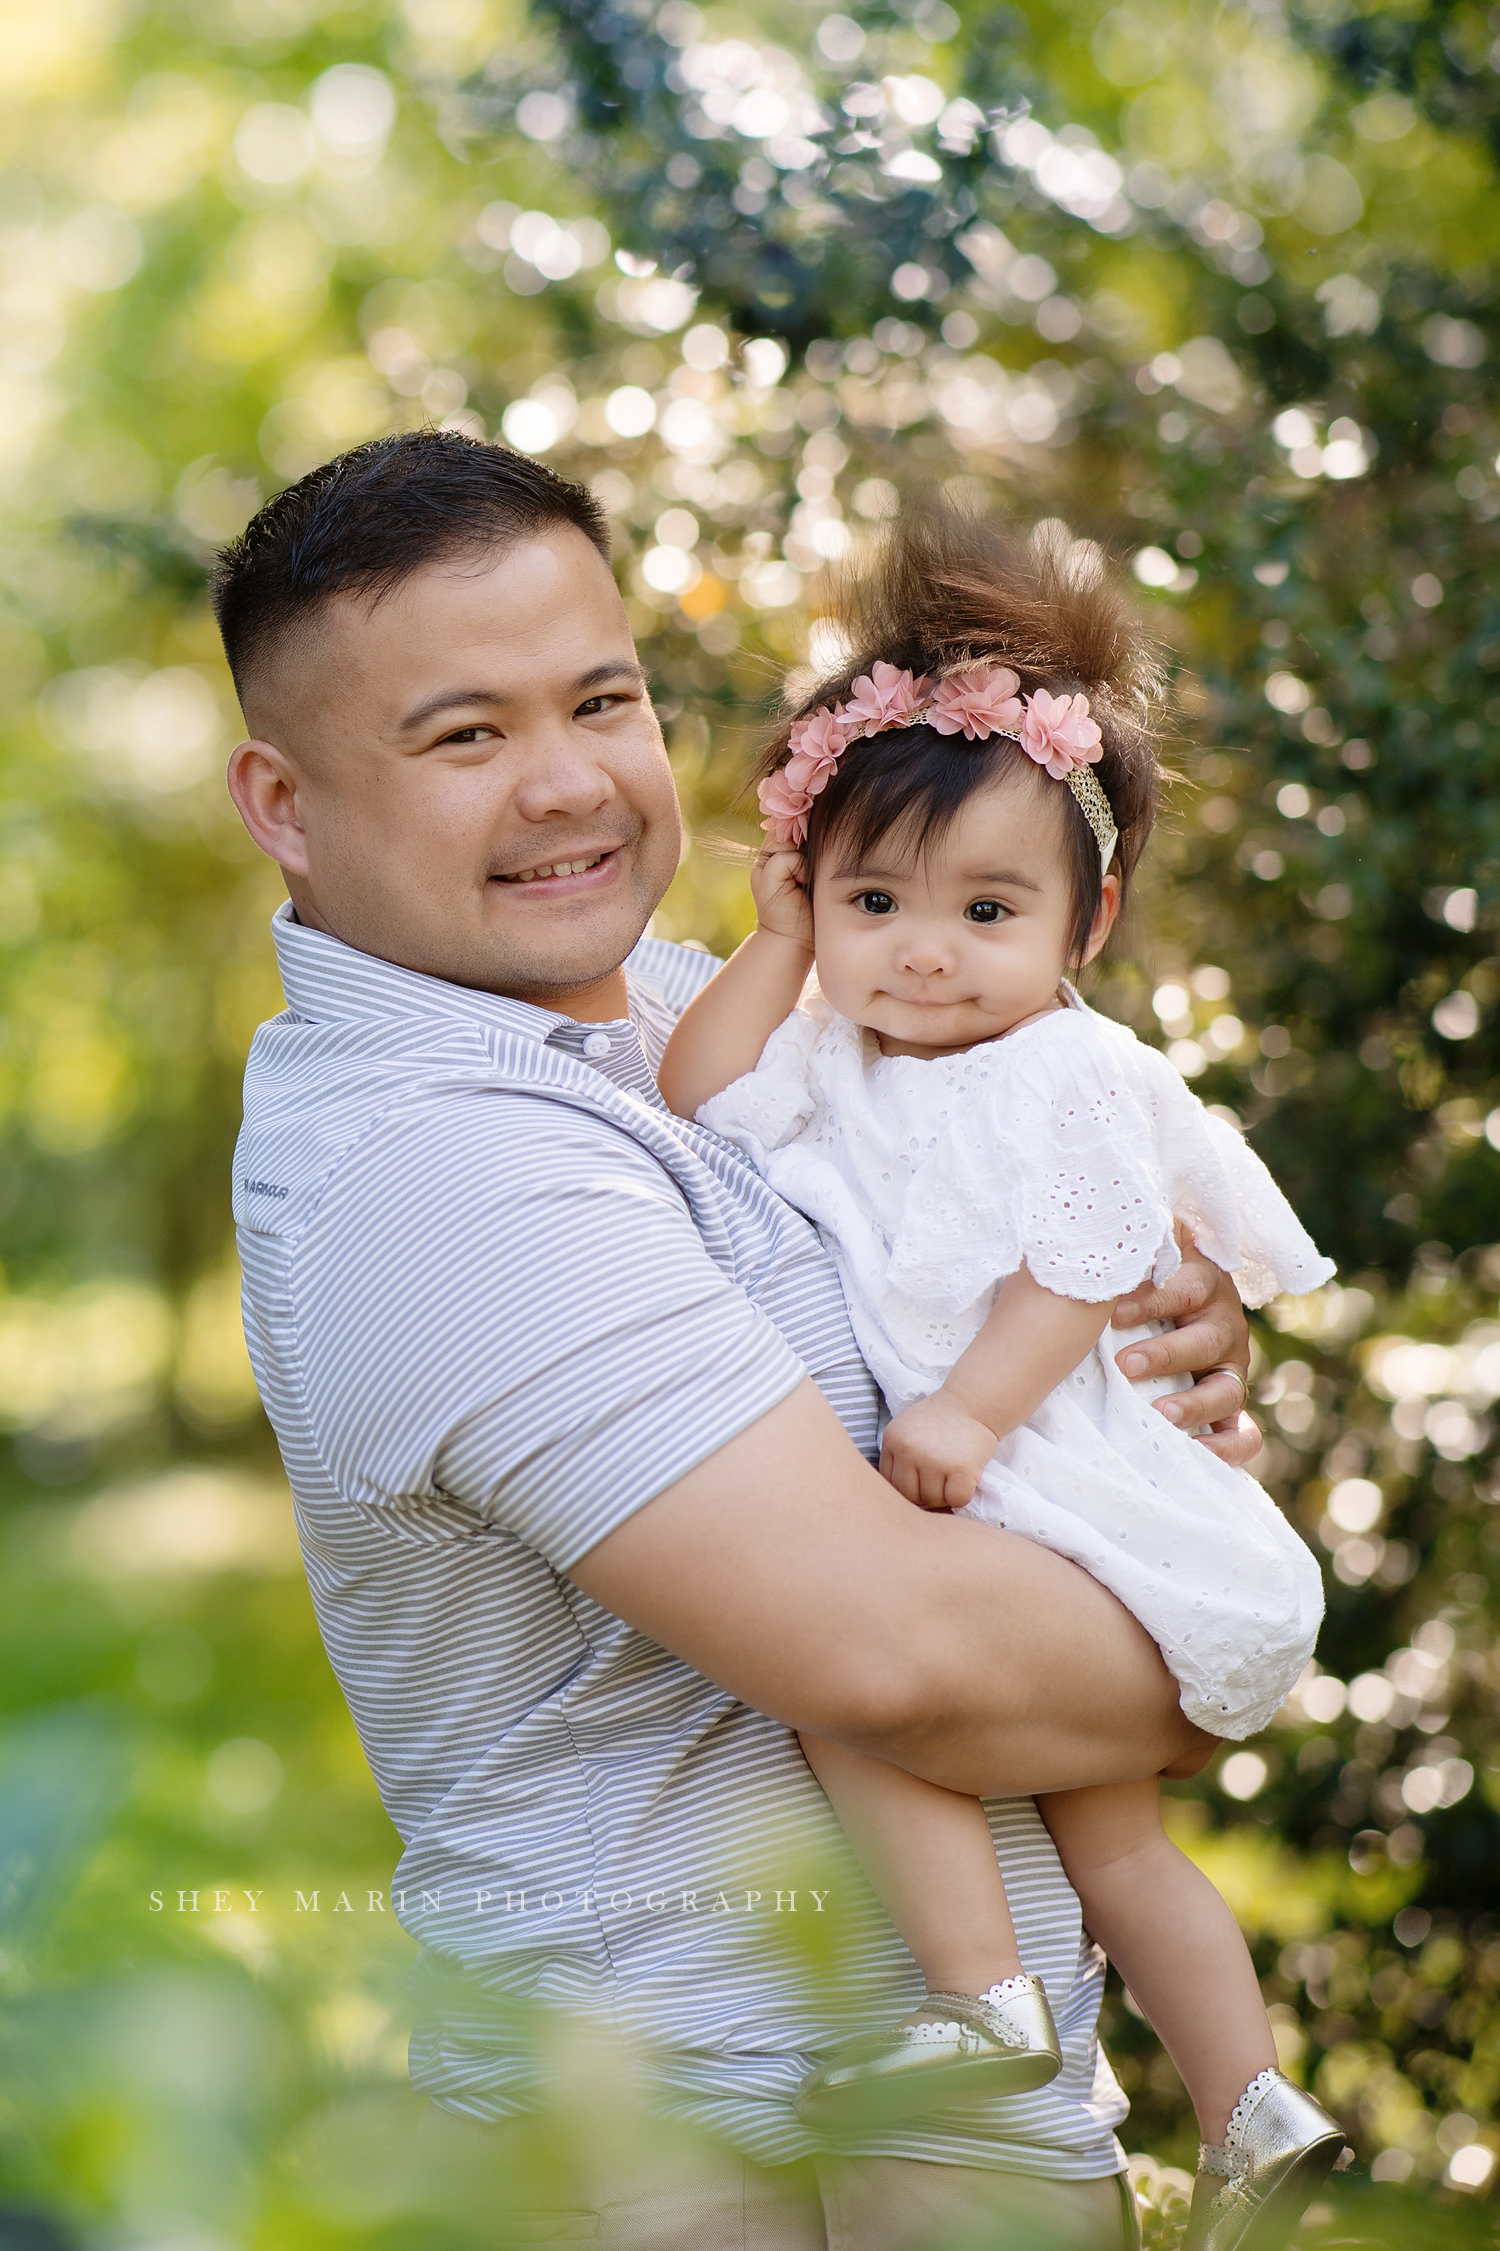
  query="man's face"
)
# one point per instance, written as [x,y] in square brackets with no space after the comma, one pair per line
[468,778]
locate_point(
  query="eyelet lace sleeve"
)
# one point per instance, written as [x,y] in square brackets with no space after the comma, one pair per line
[1220,1189]
[771,1105]
[1053,1165]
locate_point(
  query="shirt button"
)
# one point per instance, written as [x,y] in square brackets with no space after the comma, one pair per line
[596,1046]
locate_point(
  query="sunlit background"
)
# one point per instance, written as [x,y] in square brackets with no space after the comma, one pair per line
[1210,286]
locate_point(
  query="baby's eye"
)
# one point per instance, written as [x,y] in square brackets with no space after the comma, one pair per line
[985,910]
[876,902]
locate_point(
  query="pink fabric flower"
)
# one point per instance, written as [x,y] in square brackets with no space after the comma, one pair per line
[1059,734]
[884,697]
[978,703]
[817,743]
[784,808]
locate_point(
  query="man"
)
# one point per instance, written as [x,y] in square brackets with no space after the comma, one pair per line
[575,1426]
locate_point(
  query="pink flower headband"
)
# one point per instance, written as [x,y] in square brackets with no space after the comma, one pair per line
[977,701]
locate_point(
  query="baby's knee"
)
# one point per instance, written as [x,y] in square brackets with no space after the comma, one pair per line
[1098,1831]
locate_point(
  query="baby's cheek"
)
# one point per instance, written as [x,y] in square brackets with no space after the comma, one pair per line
[836,963]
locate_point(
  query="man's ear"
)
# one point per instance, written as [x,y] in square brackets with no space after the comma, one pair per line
[264,789]
[1111,892]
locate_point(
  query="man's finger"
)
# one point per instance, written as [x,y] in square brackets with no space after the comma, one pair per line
[1196,1281]
[1215,1398]
[1236,1441]
[1216,1336]
[1189,1291]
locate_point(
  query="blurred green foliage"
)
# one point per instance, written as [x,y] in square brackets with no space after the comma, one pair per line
[1211,285]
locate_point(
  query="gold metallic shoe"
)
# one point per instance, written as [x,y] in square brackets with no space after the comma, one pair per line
[1254,2186]
[1002,2043]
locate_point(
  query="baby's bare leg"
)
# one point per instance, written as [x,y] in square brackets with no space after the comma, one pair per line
[1171,1937]
[931,1859]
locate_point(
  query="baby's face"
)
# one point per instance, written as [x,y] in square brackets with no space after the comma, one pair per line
[966,942]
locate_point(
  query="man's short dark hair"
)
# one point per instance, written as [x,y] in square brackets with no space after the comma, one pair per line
[365,521]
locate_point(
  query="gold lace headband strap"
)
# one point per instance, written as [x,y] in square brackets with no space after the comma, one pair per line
[1097,811]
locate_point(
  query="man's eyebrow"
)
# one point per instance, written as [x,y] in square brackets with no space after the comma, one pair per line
[465,699]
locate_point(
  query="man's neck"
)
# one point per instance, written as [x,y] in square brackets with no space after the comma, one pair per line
[604,1001]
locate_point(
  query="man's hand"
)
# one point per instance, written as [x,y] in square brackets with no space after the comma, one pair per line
[1211,1340]
[933,1453]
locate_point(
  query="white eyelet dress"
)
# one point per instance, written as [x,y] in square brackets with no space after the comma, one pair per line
[1067,1145]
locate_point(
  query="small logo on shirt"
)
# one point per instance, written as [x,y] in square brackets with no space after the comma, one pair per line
[265,1188]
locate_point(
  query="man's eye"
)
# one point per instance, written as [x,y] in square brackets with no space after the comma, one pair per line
[985,910]
[475,734]
[876,902]
[595,704]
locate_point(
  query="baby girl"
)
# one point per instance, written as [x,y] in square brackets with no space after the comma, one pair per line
[952,824]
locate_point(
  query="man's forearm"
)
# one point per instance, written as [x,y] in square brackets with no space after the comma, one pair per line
[788,1571]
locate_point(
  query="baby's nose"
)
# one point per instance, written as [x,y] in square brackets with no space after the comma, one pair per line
[928,957]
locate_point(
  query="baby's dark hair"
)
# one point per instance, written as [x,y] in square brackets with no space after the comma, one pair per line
[948,589]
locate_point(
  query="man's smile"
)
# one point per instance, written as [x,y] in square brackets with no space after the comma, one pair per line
[582,867]
[546,869]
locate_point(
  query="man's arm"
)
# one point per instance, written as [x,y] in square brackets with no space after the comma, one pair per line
[553,1350]
[787,1570]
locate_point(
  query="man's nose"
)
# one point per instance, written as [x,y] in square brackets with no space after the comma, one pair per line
[562,777]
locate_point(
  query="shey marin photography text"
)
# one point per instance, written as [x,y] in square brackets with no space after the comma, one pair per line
[219,1899]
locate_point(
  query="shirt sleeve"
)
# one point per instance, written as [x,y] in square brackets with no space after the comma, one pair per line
[506,1304]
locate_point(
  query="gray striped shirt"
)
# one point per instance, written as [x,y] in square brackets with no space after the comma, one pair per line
[498,1298]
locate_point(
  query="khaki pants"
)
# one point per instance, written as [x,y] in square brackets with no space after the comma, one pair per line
[718,2202]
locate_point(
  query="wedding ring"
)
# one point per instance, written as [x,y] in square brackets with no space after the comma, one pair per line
[1224,1369]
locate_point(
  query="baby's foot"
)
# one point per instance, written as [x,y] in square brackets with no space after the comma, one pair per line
[953,2047]
[1254,2186]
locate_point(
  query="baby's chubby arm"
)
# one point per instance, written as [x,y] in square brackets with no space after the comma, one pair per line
[719,1037]
[935,1451]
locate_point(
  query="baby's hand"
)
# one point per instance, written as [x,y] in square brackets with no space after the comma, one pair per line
[935,1451]
[778,884]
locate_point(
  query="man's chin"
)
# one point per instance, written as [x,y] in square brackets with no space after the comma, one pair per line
[562,949]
